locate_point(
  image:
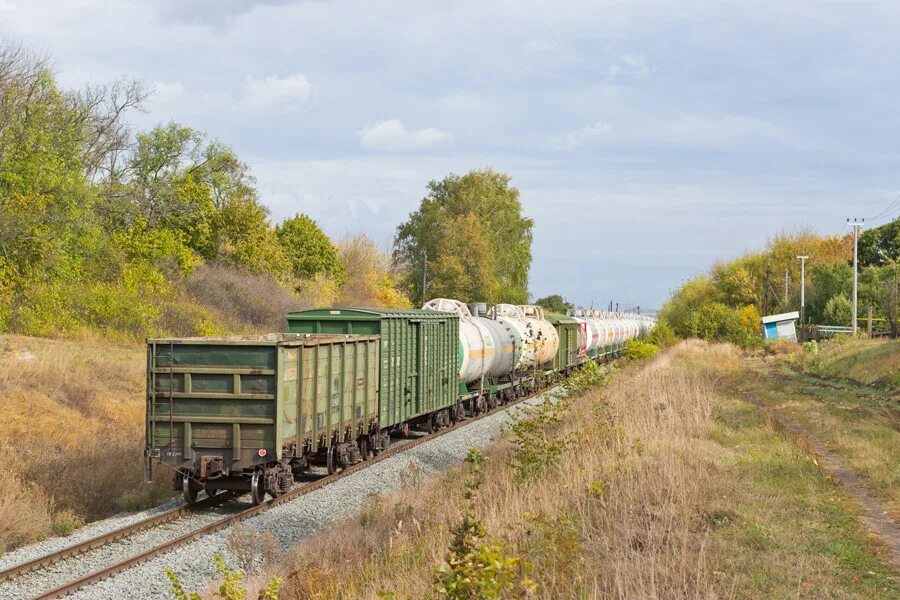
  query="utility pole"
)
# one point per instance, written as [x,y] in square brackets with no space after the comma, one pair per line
[766,292]
[802,289]
[424,273]
[856,227]
[786,280]
[617,307]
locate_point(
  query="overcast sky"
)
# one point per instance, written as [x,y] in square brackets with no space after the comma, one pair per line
[647,139]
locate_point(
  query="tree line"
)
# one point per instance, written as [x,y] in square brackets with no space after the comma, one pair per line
[138,233]
[726,302]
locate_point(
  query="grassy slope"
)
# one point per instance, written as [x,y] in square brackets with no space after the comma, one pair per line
[859,422]
[673,488]
[72,431]
[872,362]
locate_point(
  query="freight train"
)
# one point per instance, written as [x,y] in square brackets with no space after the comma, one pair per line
[254,413]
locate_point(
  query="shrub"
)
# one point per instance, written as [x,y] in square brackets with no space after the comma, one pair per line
[256,302]
[587,375]
[536,446]
[715,321]
[838,311]
[231,588]
[476,567]
[66,522]
[662,335]
[710,321]
[638,349]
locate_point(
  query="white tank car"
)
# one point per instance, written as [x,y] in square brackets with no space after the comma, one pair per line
[476,344]
[605,329]
[548,338]
[511,316]
[508,343]
[586,328]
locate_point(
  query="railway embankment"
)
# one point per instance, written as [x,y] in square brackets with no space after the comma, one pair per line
[71,436]
[664,482]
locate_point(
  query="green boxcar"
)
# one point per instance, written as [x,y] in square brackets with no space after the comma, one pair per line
[219,408]
[567,328]
[419,354]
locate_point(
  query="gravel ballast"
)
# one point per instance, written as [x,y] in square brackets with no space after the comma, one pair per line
[288,524]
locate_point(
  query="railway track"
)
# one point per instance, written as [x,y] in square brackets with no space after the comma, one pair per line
[42,562]
[169,516]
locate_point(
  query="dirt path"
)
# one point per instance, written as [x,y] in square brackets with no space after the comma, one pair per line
[877,519]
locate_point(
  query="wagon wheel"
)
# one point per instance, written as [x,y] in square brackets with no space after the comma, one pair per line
[257,487]
[188,489]
[364,450]
[331,460]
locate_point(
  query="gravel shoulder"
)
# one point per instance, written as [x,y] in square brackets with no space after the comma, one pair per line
[90,531]
[288,524]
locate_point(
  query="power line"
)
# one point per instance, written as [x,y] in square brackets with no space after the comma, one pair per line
[891,207]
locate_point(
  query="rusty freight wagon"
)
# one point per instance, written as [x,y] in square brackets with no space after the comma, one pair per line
[250,413]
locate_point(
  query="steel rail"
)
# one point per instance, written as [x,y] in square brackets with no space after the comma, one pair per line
[47,560]
[73,586]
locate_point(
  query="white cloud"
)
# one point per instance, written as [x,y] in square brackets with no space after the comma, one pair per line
[392,135]
[633,66]
[709,130]
[167,93]
[276,92]
[581,136]
[681,130]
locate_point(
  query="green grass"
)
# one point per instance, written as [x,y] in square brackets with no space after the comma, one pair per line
[871,362]
[859,423]
[788,531]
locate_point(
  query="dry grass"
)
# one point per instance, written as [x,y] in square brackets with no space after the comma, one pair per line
[670,489]
[73,419]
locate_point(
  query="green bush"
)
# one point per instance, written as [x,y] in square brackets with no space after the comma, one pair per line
[537,446]
[662,335]
[716,322]
[231,588]
[475,566]
[638,349]
[838,311]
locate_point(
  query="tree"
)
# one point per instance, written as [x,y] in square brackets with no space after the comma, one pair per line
[879,287]
[308,249]
[464,268]
[369,279]
[736,282]
[555,304]
[825,282]
[881,245]
[686,300]
[488,195]
[247,241]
